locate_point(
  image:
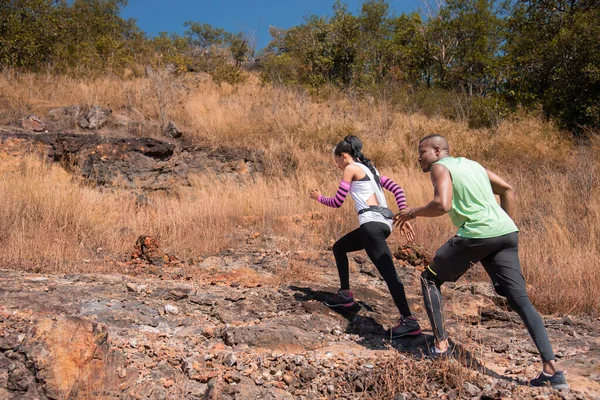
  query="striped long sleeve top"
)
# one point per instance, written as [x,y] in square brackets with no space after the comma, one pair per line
[344,188]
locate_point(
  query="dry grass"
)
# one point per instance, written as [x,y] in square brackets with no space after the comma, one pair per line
[51,219]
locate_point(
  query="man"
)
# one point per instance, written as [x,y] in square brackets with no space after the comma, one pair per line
[486,233]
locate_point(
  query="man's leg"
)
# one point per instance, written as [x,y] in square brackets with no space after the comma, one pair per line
[451,261]
[504,269]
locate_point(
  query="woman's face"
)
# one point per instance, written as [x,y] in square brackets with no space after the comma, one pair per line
[341,160]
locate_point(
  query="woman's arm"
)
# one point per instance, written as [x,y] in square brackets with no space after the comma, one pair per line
[342,192]
[337,200]
[393,187]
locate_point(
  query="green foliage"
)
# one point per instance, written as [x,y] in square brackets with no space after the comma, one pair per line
[170,50]
[212,47]
[490,55]
[470,60]
[225,72]
[554,52]
[81,34]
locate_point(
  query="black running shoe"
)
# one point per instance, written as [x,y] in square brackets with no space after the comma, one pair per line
[406,327]
[435,354]
[343,298]
[556,381]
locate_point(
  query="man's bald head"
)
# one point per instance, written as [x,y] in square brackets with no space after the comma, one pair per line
[432,148]
[436,140]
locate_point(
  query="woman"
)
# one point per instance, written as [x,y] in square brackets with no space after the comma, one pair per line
[362,181]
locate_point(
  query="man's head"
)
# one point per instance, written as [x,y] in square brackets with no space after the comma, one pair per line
[431,149]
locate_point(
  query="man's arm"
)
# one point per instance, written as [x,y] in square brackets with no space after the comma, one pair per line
[442,198]
[442,194]
[506,192]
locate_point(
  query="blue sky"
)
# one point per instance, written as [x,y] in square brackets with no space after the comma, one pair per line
[249,16]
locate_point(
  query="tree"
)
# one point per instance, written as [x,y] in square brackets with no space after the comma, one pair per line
[553,50]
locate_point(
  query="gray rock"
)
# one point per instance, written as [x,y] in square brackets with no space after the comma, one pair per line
[33,123]
[172,131]
[230,359]
[169,309]
[471,389]
[95,118]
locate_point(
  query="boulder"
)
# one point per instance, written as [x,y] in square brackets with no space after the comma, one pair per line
[33,123]
[95,118]
[172,131]
[61,351]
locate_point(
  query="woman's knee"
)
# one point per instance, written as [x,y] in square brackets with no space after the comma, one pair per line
[338,248]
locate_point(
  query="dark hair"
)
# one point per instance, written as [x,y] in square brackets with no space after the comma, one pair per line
[353,146]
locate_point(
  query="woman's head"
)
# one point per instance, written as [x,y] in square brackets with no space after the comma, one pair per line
[351,145]
[350,149]
[347,151]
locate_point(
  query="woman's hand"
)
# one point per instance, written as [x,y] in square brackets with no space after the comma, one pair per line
[408,231]
[315,194]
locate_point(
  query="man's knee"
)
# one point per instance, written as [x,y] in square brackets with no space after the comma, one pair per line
[517,299]
[429,278]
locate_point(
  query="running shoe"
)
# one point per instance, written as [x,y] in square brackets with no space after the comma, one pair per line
[343,298]
[407,326]
[436,354]
[556,381]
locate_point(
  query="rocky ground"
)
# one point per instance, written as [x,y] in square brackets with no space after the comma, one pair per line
[229,327]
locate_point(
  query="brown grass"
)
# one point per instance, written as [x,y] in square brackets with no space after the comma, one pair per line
[52,221]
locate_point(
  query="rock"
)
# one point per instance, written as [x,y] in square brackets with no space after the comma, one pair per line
[288,379]
[33,123]
[20,378]
[148,71]
[61,112]
[10,342]
[140,163]
[132,287]
[208,332]
[413,254]
[230,360]
[172,131]
[95,118]
[148,249]
[471,389]
[169,309]
[61,351]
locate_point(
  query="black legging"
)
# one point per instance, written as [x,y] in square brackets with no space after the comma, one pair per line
[371,237]
[500,259]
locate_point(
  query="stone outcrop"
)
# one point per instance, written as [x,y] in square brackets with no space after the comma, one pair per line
[62,351]
[141,163]
[95,118]
[33,124]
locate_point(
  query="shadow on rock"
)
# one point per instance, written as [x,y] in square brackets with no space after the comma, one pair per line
[371,332]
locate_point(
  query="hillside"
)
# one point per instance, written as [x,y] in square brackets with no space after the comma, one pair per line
[235,307]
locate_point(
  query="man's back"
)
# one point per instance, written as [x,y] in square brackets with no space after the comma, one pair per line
[475,210]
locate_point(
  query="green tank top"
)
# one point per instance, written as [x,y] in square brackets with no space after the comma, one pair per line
[475,210]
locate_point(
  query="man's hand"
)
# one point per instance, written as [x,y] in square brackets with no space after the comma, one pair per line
[315,194]
[408,231]
[403,217]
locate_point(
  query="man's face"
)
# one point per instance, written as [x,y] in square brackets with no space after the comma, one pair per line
[427,155]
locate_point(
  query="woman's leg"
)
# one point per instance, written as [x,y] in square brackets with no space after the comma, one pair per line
[350,242]
[374,235]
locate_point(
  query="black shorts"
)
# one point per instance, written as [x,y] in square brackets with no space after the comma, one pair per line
[498,255]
